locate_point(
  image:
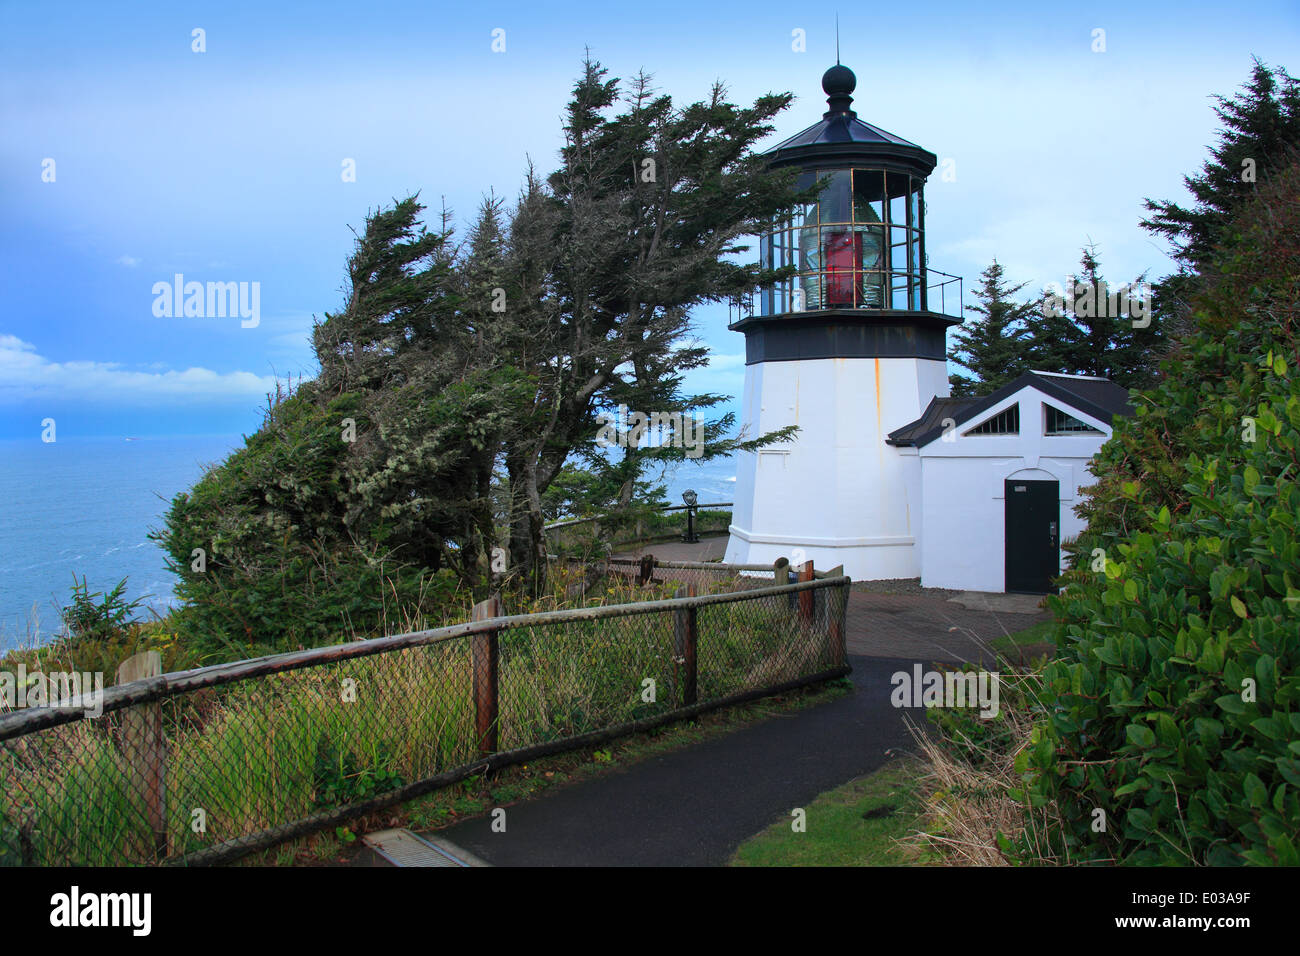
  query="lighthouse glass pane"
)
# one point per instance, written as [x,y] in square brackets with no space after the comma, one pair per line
[898,248]
[898,201]
[809,257]
[899,290]
[842,261]
[785,249]
[868,195]
[871,259]
[806,180]
[835,202]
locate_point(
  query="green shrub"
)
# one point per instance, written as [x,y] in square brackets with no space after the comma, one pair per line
[1173,707]
[289,560]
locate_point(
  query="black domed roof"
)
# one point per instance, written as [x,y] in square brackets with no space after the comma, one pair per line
[842,135]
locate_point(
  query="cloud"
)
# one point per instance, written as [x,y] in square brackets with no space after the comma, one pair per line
[129,261]
[722,361]
[26,375]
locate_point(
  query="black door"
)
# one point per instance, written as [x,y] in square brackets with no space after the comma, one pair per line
[1033,525]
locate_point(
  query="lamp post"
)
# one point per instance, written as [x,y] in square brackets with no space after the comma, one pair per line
[691,500]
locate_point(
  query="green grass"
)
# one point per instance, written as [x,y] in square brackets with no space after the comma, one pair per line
[262,752]
[857,824]
[480,794]
[1040,633]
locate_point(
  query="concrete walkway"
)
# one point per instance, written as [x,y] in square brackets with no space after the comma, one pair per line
[909,622]
[926,627]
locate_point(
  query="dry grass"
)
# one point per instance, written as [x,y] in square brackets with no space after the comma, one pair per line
[966,787]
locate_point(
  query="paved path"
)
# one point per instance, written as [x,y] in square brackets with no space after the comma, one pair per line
[693,807]
[710,548]
[911,623]
[927,627]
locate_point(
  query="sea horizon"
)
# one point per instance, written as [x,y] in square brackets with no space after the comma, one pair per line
[84,506]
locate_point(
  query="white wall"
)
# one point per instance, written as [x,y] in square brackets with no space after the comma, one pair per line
[837,491]
[963,491]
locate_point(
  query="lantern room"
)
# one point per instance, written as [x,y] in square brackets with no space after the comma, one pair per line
[857,247]
[861,285]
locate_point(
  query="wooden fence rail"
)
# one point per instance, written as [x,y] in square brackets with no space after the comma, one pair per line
[137,700]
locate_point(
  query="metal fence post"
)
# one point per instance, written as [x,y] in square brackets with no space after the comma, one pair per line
[145,748]
[685,640]
[486,690]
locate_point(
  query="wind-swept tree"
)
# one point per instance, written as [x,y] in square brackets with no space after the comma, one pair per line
[635,229]
[365,481]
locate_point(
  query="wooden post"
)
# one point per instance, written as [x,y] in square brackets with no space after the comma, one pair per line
[646,571]
[685,640]
[836,626]
[780,571]
[485,657]
[806,597]
[145,748]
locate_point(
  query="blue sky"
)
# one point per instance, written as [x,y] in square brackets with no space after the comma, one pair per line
[225,165]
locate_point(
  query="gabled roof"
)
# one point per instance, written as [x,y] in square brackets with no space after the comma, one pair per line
[931,418]
[1099,398]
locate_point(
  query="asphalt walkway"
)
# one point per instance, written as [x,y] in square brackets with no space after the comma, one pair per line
[695,806]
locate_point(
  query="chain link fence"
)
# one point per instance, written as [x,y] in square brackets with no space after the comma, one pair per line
[204,765]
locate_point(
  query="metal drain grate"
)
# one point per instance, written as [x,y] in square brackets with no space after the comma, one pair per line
[401,847]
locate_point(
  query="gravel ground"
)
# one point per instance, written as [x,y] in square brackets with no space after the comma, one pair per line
[902,586]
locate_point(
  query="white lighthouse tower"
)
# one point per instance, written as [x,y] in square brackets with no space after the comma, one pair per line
[847,349]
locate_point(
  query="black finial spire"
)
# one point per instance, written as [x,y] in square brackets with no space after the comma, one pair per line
[839,82]
[837,38]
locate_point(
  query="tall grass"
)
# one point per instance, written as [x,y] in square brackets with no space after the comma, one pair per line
[243,757]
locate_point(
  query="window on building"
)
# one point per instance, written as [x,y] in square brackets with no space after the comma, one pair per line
[1060,423]
[1003,423]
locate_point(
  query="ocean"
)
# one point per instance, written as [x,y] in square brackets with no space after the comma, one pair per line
[84,507]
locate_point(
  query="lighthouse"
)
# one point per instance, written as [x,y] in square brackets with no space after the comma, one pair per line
[847,349]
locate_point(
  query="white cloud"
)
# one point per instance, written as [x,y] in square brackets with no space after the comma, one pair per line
[129,261]
[25,374]
[723,361]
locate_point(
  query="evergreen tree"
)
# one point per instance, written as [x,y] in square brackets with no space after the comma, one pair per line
[995,347]
[1090,330]
[1259,136]
[637,227]
[1261,125]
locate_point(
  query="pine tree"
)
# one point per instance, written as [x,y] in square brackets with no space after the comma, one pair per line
[994,348]
[637,227]
[1091,331]
[1260,135]
[1261,126]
